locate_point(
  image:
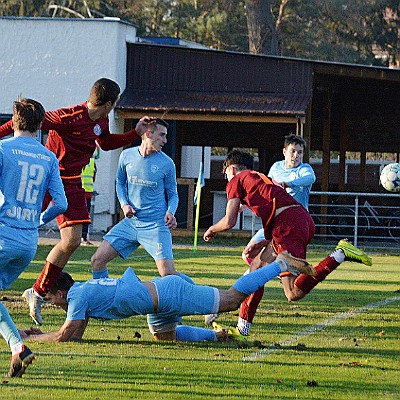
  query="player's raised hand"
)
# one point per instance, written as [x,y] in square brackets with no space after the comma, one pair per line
[144,123]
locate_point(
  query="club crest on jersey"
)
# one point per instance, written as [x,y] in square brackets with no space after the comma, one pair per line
[97,130]
[154,168]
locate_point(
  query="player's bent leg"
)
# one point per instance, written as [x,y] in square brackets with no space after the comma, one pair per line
[63,250]
[230,299]
[102,256]
[55,262]
[166,267]
[292,292]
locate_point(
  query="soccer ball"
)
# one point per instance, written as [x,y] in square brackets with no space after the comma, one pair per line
[390,177]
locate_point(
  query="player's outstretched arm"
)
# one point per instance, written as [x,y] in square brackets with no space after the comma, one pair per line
[70,331]
[227,222]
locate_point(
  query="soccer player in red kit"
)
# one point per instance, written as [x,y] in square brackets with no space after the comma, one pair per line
[73,133]
[287,224]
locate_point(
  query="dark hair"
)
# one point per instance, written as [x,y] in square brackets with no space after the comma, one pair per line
[104,90]
[294,139]
[160,121]
[240,159]
[27,115]
[64,283]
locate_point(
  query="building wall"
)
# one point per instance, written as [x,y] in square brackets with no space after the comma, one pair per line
[56,61]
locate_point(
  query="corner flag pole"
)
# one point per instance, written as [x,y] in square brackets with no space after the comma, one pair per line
[196,201]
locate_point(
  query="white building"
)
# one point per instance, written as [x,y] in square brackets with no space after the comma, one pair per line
[56,61]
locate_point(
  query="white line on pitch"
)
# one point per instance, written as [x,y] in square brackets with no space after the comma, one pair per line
[316,328]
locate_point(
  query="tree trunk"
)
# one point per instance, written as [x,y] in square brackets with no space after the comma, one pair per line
[262,34]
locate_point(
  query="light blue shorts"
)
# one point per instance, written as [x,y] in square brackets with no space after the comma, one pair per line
[17,250]
[177,298]
[128,234]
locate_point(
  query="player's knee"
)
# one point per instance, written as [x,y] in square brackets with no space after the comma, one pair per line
[294,295]
[234,299]
[166,267]
[70,245]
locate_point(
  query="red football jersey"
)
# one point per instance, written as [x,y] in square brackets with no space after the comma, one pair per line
[260,194]
[73,135]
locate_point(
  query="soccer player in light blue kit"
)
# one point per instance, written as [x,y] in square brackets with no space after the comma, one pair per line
[147,191]
[27,171]
[167,297]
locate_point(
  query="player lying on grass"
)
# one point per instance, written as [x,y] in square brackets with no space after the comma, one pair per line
[168,297]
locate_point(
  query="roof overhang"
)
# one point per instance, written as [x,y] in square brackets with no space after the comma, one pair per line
[195,84]
[251,107]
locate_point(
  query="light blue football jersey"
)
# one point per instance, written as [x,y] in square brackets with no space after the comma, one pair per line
[300,180]
[27,171]
[148,184]
[109,298]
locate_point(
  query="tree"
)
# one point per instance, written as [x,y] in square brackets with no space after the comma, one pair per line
[353,31]
[263,26]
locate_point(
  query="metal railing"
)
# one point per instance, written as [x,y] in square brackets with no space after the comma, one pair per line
[367,218]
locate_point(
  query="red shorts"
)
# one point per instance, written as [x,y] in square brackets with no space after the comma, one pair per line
[77,212]
[293,231]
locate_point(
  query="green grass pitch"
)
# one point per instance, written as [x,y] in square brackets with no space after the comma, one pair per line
[340,342]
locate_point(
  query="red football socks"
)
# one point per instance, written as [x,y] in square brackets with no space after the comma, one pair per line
[47,278]
[306,282]
[249,306]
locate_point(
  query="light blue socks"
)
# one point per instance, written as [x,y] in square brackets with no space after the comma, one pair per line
[185,333]
[251,282]
[100,274]
[7,327]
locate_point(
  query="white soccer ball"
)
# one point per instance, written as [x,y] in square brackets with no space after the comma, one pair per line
[390,177]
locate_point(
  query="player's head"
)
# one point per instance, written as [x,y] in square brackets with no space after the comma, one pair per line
[156,133]
[59,291]
[294,139]
[104,93]
[28,115]
[237,160]
[293,150]
[157,123]
[63,283]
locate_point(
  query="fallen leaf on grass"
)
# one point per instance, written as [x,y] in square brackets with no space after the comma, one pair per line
[351,364]
[381,333]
